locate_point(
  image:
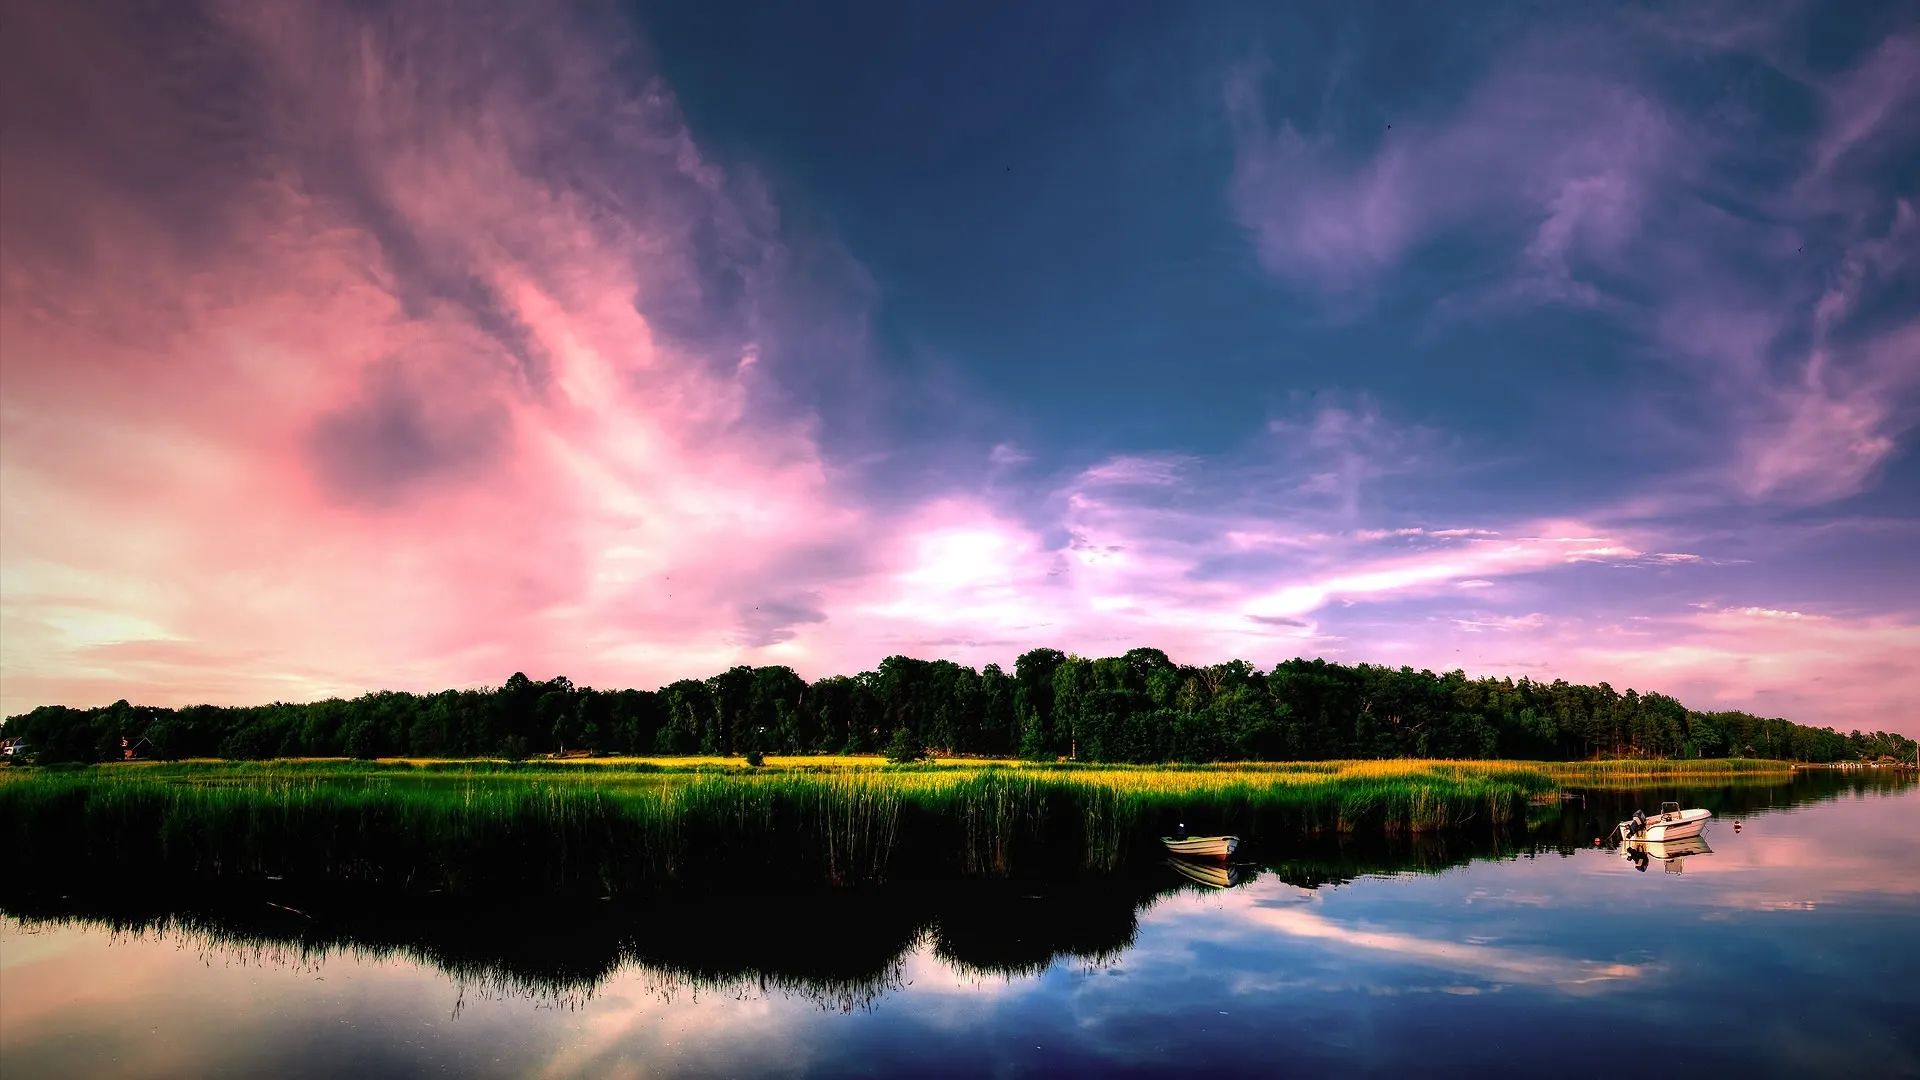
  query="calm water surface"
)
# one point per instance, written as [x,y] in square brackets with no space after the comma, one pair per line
[1791,949]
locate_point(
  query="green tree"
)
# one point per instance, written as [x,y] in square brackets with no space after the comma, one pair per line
[905,747]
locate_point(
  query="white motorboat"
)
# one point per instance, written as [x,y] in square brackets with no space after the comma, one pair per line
[1672,823]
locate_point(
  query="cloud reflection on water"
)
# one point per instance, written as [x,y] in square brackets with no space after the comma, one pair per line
[1507,965]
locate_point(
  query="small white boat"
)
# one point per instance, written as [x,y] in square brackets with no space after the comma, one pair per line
[1201,847]
[1672,823]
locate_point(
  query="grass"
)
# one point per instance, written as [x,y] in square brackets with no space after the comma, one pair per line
[627,826]
[617,768]
[1666,767]
[608,826]
[1628,773]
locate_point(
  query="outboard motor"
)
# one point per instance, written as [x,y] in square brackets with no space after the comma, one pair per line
[1180,831]
[1639,822]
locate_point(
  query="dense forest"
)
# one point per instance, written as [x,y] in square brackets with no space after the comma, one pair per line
[1140,707]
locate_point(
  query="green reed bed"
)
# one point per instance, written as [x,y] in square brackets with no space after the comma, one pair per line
[1629,772]
[621,830]
[1665,766]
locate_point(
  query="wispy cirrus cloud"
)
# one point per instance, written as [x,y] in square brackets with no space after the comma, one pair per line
[1822,436]
[1238,556]
[1556,157]
[445,383]
[347,349]
[401,374]
[1767,271]
[1762,269]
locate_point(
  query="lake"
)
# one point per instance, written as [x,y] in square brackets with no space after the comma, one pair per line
[1788,949]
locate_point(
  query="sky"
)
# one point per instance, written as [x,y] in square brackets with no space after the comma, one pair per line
[361,345]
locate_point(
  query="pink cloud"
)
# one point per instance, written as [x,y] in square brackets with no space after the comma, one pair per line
[1843,670]
[965,581]
[1869,104]
[1846,671]
[1530,621]
[407,429]
[414,387]
[1825,435]
[1592,180]
[1538,141]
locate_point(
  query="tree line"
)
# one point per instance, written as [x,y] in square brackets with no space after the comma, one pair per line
[1140,707]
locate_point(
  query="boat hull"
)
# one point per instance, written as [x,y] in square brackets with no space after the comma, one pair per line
[1202,847]
[1660,834]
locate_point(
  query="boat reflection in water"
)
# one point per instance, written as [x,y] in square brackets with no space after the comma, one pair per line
[1668,853]
[1213,875]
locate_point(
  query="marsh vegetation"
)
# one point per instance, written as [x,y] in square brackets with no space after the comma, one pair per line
[208,869]
[640,827]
